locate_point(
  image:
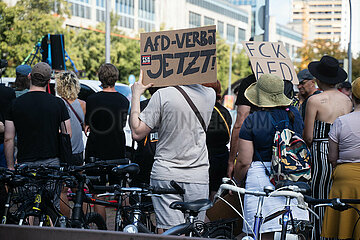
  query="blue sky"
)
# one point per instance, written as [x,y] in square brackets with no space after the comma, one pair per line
[281,9]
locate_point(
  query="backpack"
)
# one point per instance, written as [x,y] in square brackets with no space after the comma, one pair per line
[290,156]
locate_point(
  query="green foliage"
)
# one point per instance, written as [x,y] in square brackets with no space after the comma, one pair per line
[87,49]
[314,50]
[240,66]
[22,25]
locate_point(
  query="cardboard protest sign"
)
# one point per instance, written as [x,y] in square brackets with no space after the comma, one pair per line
[270,57]
[179,57]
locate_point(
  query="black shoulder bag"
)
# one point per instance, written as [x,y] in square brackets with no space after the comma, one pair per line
[193,107]
[65,149]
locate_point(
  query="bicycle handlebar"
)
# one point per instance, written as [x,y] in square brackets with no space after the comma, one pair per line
[314,201]
[152,190]
[291,194]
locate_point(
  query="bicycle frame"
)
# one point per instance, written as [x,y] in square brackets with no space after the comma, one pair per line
[286,213]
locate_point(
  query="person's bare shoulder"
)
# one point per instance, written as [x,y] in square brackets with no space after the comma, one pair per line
[317,99]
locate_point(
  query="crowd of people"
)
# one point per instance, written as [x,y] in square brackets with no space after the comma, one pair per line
[183,133]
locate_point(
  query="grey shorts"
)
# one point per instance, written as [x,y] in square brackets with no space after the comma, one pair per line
[167,217]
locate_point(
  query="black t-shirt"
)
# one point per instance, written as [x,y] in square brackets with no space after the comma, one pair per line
[6,96]
[37,116]
[241,99]
[106,113]
[218,135]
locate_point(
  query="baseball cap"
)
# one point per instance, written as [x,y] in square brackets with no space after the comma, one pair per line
[41,71]
[305,75]
[23,70]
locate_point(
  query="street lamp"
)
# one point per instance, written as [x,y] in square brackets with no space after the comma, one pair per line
[107,32]
[349,47]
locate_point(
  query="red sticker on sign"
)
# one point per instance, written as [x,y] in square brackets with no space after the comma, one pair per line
[146,60]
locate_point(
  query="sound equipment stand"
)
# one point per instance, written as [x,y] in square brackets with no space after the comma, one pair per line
[33,54]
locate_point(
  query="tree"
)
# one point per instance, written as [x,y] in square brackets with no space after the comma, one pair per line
[314,50]
[22,26]
[87,50]
[240,67]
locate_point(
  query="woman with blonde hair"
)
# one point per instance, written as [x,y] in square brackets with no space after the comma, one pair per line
[68,87]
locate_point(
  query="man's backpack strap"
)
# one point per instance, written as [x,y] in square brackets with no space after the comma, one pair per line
[193,107]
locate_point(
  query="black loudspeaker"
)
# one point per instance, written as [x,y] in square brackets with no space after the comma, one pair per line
[56,46]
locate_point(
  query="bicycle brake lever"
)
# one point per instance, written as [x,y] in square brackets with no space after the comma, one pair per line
[338,205]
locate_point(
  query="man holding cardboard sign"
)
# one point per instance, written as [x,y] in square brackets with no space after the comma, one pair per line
[181,113]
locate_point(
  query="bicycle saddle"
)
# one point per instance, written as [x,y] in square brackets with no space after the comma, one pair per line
[303,186]
[194,206]
[131,168]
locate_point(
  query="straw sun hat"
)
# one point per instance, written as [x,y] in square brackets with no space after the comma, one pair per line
[356,88]
[268,91]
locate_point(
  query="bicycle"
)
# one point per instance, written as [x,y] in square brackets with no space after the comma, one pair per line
[88,220]
[135,217]
[38,202]
[337,204]
[220,229]
[288,190]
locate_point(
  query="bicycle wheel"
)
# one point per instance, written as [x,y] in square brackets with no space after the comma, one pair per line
[95,221]
[222,232]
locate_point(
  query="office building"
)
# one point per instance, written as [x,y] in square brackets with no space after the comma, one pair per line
[233,23]
[319,19]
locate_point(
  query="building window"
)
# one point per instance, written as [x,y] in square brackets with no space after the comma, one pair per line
[100,15]
[146,15]
[230,33]
[125,9]
[241,34]
[147,9]
[222,8]
[147,26]
[220,28]
[100,3]
[194,19]
[124,6]
[80,8]
[208,21]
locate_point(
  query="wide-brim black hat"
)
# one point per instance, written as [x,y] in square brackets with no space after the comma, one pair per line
[327,70]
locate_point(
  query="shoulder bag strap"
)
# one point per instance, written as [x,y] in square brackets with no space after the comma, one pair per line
[193,107]
[76,115]
[227,126]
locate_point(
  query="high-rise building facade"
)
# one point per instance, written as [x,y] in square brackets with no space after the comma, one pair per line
[320,19]
[233,23]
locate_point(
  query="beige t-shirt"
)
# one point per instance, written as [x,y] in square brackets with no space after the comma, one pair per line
[346,132]
[181,152]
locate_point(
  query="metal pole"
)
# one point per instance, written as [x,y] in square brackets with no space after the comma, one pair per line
[107,32]
[266,22]
[349,48]
[230,70]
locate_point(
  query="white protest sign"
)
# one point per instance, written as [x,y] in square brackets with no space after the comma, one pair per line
[270,57]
